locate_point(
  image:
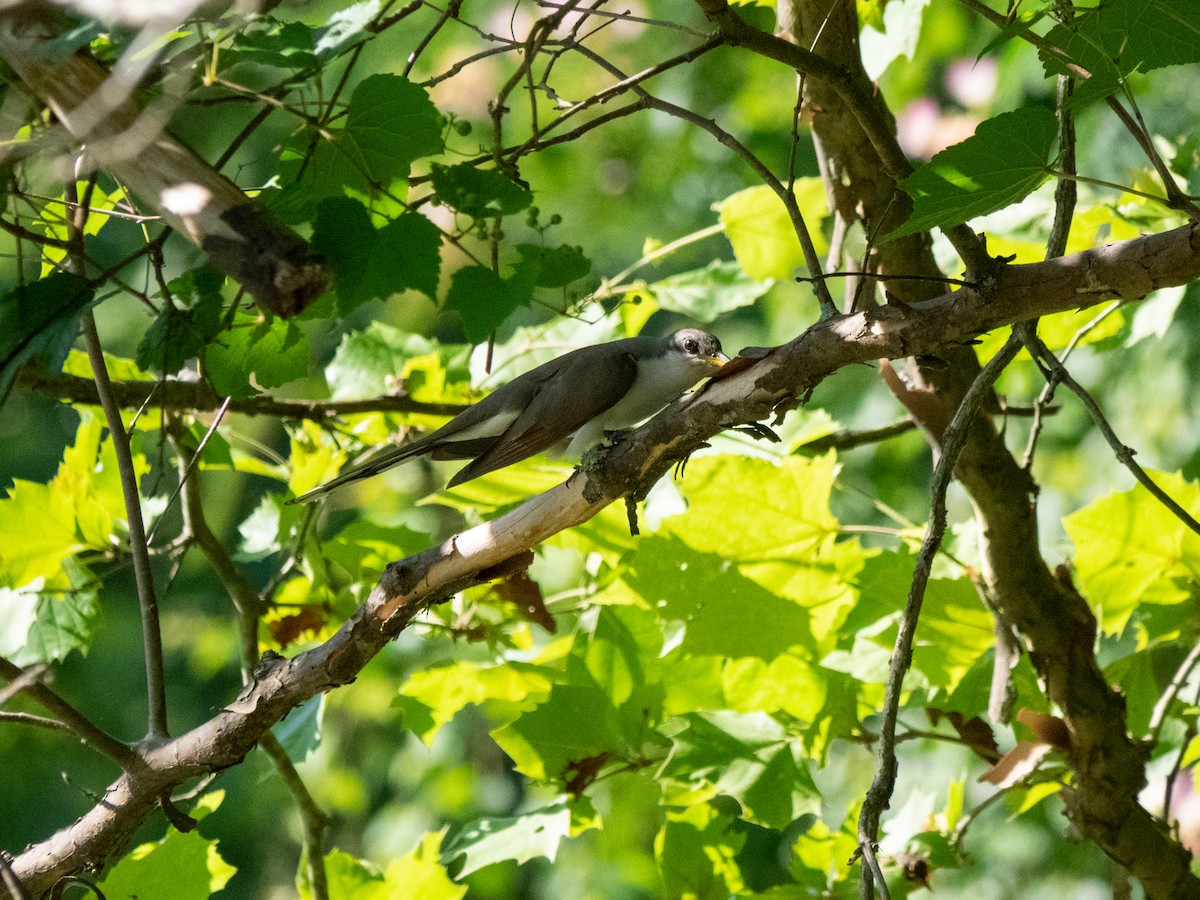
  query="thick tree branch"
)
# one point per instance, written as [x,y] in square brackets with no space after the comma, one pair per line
[96,108]
[409,586]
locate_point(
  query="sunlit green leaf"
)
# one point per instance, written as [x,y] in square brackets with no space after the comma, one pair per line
[763,236]
[1002,162]
[444,690]
[1130,549]
[256,354]
[704,294]
[696,851]
[518,838]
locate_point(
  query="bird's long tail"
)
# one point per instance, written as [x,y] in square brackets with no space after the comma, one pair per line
[383,461]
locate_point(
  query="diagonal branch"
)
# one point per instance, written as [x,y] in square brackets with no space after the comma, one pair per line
[412,585]
[953,440]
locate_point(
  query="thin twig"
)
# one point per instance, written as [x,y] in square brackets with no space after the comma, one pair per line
[1177,765]
[1051,366]
[1163,706]
[246,601]
[953,440]
[143,576]
[314,818]
[811,259]
[186,472]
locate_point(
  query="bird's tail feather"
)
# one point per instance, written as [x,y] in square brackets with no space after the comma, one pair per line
[371,467]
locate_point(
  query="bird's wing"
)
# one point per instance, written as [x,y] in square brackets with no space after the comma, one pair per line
[561,406]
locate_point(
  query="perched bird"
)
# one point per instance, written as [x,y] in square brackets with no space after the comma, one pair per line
[566,404]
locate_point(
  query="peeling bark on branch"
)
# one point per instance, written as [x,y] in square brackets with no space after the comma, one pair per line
[410,586]
[97,109]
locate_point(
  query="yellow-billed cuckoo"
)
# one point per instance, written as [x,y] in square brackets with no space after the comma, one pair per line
[569,402]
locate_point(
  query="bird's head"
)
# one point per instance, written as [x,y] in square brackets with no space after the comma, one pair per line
[701,349]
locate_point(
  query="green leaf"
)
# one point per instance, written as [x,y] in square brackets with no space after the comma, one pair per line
[747,757]
[1001,163]
[557,266]
[179,335]
[710,598]
[273,352]
[478,192]
[300,732]
[484,300]
[416,874]
[40,321]
[704,294]
[370,264]
[954,631]
[761,233]
[180,866]
[282,45]
[1117,38]
[500,839]
[390,123]
[577,723]
[82,507]
[370,362]
[63,621]
[696,852]
[776,529]
[895,34]
[345,29]
[1130,549]
[433,696]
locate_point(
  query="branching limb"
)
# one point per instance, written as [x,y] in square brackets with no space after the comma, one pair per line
[953,439]
[411,586]
[246,601]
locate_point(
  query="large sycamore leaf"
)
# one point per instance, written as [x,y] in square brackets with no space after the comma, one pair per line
[778,532]
[1130,549]
[82,508]
[1120,37]
[373,264]
[762,236]
[499,839]
[1001,163]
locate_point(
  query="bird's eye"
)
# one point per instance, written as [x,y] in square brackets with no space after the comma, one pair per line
[691,346]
